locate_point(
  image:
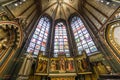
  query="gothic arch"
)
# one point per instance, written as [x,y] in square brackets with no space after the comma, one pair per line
[82,37]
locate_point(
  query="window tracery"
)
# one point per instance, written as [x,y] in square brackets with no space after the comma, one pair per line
[39,39]
[61,45]
[82,37]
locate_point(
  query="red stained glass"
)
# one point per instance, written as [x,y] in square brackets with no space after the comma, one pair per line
[75,31]
[79,28]
[46,32]
[43,44]
[39,27]
[30,49]
[33,40]
[37,47]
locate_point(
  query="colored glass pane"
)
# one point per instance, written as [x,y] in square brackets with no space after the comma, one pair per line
[82,38]
[39,38]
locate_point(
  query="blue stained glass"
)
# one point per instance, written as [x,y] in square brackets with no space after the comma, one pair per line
[47,28]
[42,32]
[80,48]
[83,41]
[32,45]
[36,52]
[39,37]
[44,25]
[76,36]
[90,43]
[38,42]
[30,49]
[45,34]
[35,36]
[76,23]
[47,24]
[45,37]
[87,50]
[77,26]
[85,32]
[61,36]
[36,32]
[42,48]
[79,32]
[85,46]
[93,49]
[37,29]
[88,38]
[40,23]
[82,37]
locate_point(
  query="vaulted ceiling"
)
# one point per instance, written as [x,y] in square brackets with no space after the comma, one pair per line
[6,1]
[55,8]
[59,8]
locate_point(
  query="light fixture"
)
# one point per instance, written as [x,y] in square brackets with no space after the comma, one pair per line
[107,3]
[24,0]
[102,1]
[20,2]
[16,4]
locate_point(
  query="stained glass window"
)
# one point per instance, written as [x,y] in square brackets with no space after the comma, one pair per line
[82,37]
[60,40]
[39,38]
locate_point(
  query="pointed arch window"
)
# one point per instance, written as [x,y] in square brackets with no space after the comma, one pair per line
[61,40]
[82,37]
[39,39]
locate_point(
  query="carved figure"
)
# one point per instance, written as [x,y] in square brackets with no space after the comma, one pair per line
[53,65]
[39,66]
[62,64]
[3,38]
[70,65]
[84,64]
[44,67]
[26,66]
[80,66]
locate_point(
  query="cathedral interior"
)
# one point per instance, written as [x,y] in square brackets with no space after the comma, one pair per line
[59,39]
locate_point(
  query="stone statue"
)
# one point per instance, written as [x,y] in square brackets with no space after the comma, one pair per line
[25,69]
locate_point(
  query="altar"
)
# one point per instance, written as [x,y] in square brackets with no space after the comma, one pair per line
[61,67]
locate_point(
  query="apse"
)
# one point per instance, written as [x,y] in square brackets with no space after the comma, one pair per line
[61,37]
